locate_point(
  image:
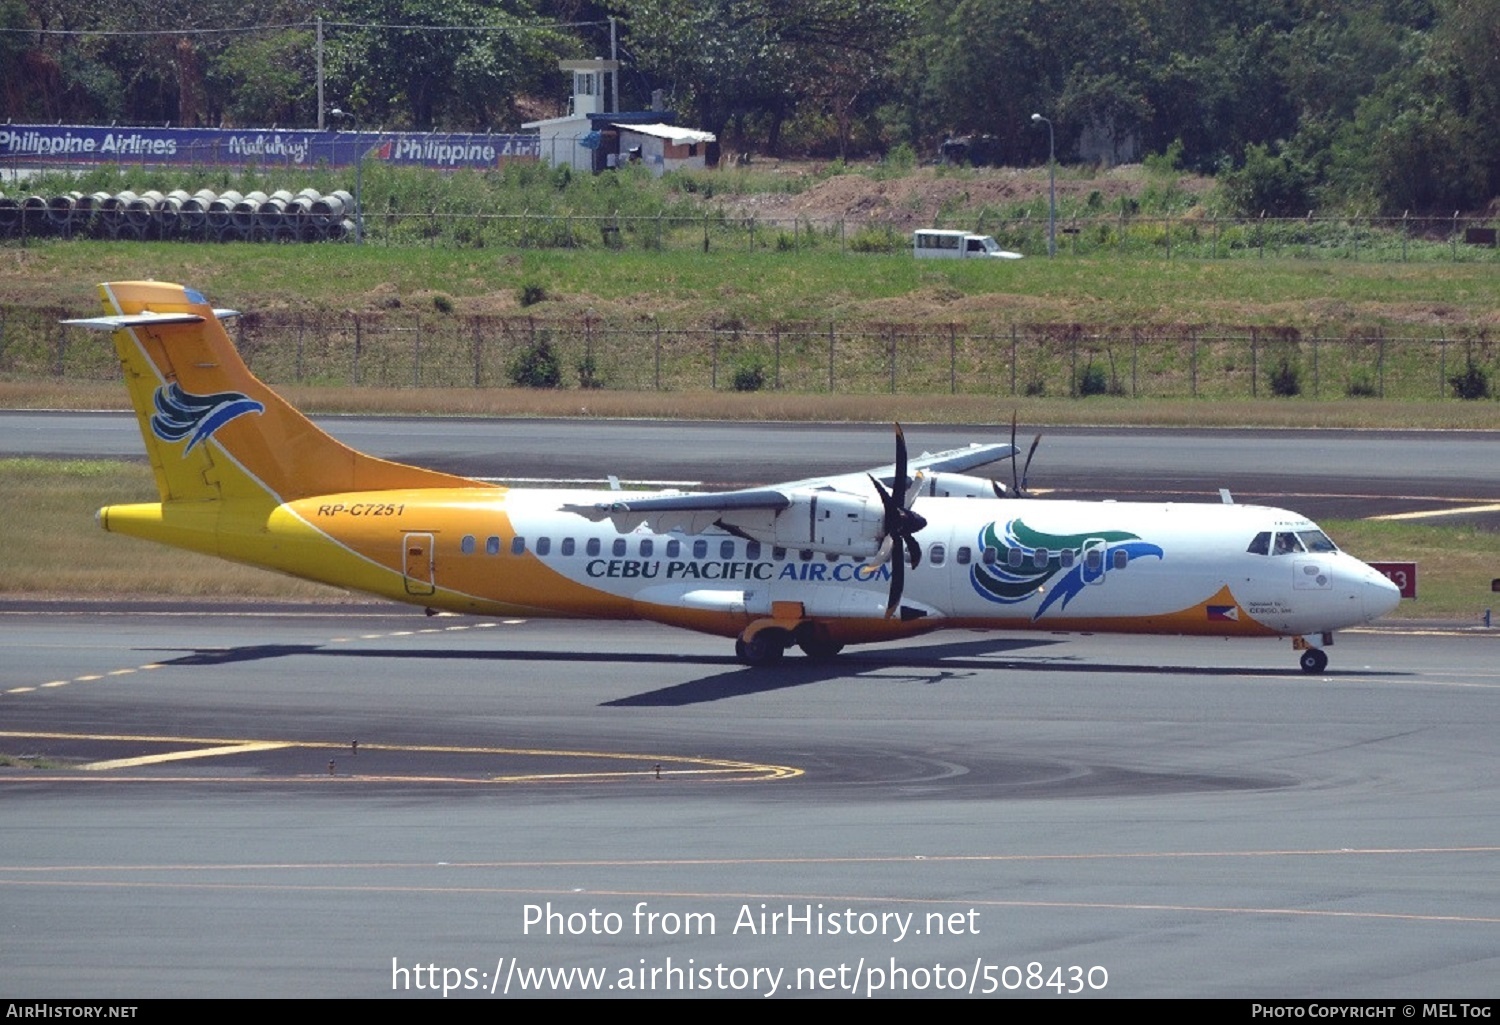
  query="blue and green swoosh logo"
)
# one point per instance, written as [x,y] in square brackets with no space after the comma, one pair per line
[1006,584]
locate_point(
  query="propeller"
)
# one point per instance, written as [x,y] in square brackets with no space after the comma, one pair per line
[1019,481]
[900,525]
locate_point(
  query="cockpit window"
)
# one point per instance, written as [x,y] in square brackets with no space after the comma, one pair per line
[1286,543]
[1317,541]
[1261,545]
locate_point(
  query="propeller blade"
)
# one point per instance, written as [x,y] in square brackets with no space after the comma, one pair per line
[900,484]
[898,582]
[1015,478]
[1027,469]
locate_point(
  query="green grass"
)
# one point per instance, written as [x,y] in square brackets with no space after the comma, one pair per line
[763,287]
[57,550]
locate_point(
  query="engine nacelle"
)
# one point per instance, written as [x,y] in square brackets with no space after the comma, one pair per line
[957,485]
[829,521]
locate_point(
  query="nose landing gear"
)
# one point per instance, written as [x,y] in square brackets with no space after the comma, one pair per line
[1314,659]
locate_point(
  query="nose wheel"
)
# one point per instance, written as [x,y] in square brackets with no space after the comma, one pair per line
[1314,660]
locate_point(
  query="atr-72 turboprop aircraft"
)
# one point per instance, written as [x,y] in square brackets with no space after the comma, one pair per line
[819,563]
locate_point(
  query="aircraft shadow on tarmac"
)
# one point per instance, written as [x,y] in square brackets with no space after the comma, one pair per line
[933,664]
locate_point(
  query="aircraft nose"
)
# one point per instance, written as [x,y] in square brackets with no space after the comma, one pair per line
[1380,595]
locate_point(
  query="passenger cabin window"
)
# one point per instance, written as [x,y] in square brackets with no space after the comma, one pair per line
[1093,560]
[938,554]
[700,549]
[1066,558]
[778,553]
[752,551]
[674,549]
[567,546]
[467,544]
[592,547]
[518,545]
[492,545]
[647,547]
[1261,545]
[990,555]
[963,555]
[726,549]
[1121,557]
[1015,557]
[618,548]
[1039,558]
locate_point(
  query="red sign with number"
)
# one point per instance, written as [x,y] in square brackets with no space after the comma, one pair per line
[1402,574]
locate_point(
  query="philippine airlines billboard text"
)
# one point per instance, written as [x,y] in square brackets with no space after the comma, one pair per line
[74,145]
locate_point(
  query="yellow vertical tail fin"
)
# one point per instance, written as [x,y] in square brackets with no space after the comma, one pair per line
[212,429]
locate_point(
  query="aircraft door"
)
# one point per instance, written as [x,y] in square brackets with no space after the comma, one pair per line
[1094,559]
[419,564]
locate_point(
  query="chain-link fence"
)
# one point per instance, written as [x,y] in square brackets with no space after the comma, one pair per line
[434,350]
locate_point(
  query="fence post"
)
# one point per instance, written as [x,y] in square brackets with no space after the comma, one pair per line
[952,359]
[1014,349]
[891,355]
[776,342]
[1254,361]
[358,351]
[1315,366]
[830,355]
[713,380]
[1442,364]
[1380,360]
[1193,359]
[478,355]
[658,353]
[416,354]
[1135,344]
[298,372]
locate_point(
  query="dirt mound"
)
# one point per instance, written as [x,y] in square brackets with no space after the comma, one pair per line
[919,198]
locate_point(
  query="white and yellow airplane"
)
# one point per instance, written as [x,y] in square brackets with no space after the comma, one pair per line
[818,563]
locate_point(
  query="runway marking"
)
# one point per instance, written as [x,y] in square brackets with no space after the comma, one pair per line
[653,766]
[1427,514]
[182,756]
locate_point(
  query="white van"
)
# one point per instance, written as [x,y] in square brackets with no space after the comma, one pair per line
[932,244]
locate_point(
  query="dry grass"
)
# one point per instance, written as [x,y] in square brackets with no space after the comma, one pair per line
[780,406]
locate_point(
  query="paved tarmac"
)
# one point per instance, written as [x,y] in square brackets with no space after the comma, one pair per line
[362,801]
[1169,817]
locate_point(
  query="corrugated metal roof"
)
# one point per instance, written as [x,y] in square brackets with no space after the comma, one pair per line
[671,133]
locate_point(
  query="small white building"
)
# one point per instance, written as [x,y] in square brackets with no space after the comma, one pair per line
[590,138]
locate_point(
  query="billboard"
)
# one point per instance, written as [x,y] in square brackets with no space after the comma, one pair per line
[83,145]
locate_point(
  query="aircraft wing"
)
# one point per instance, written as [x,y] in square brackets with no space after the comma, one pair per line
[953,460]
[749,508]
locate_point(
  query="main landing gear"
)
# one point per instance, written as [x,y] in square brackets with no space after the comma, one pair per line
[1314,659]
[766,646]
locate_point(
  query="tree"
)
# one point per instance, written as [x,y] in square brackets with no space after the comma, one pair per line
[438,63]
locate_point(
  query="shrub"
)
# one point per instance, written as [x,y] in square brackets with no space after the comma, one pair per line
[750,376]
[531,293]
[537,365]
[1471,383]
[588,373]
[1286,379]
[1092,380]
[1360,387]
[442,303]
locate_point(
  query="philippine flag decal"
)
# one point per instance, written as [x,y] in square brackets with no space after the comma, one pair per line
[1223,614]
